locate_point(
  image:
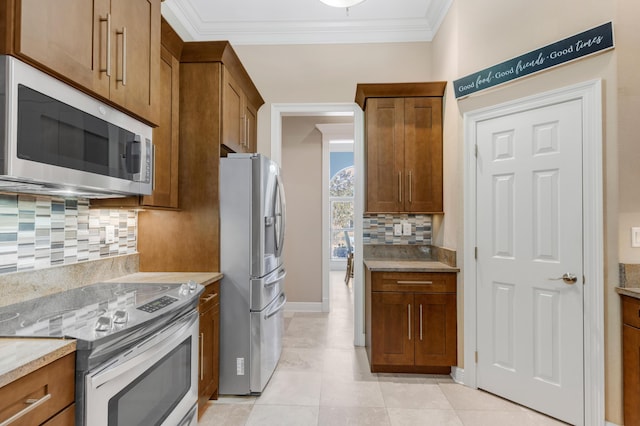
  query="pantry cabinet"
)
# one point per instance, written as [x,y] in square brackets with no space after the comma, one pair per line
[411,322]
[108,48]
[631,359]
[403,144]
[209,359]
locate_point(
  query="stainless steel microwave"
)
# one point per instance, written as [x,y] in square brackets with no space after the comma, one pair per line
[57,140]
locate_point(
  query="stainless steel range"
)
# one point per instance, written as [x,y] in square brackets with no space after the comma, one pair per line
[137,348]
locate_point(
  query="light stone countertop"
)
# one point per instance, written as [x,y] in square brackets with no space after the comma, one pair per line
[629,291]
[204,278]
[21,356]
[399,265]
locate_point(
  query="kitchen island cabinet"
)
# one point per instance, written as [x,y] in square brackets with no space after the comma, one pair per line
[108,48]
[411,321]
[403,143]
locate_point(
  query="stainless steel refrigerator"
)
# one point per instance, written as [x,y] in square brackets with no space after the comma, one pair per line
[252,223]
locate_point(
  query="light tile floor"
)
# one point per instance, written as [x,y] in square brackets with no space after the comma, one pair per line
[322,379]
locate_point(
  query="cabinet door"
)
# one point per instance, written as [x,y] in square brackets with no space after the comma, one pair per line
[63,35]
[135,55]
[435,329]
[251,127]
[631,379]
[423,155]
[232,113]
[166,137]
[392,341]
[385,155]
[205,372]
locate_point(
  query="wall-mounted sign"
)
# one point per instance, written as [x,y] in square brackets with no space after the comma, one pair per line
[578,46]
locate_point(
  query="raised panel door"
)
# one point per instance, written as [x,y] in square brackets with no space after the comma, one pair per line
[392,341]
[435,329]
[423,155]
[205,370]
[251,127]
[385,155]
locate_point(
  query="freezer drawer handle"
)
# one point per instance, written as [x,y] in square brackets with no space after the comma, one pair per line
[277,308]
[281,276]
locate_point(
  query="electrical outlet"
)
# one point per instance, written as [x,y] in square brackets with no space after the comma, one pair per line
[635,237]
[239,366]
[406,228]
[109,234]
[397,229]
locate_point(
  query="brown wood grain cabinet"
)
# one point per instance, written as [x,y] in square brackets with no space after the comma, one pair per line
[166,239]
[165,137]
[54,384]
[411,322]
[631,359]
[209,359]
[403,142]
[109,48]
[239,123]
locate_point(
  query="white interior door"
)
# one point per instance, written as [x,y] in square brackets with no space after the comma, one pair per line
[529,234]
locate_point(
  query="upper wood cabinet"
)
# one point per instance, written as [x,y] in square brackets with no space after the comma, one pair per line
[109,48]
[239,123]
[166,136]
[403,142]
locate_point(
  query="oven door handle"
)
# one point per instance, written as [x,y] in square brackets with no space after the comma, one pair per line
[145,351]
[278,308]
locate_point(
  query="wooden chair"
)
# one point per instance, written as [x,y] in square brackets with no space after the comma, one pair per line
[349,273]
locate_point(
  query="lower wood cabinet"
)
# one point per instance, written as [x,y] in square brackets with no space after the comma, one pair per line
[411,322]
[51,387]
[631,359]
[208,368]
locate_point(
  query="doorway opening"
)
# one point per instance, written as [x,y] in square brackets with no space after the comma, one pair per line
[280,111]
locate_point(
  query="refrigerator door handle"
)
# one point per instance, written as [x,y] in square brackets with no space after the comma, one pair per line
[281,276]
[280,215]
[278,308]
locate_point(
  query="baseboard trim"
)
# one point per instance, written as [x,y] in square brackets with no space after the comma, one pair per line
[457,374]
[611,424]
[303,307]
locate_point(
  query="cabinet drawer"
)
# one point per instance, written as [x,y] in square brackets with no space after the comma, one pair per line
[423,282]
[64,418]
[631,311]
[52,384]
[210,297]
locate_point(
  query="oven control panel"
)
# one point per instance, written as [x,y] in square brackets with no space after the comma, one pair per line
[159,303]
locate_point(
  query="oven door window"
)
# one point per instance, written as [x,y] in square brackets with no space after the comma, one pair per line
[150,398]
[54,133]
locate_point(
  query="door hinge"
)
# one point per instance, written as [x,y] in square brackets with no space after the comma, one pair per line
[476,149]
[475,253]
[476,357]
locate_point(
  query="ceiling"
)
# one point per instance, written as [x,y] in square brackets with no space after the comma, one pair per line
[260,22]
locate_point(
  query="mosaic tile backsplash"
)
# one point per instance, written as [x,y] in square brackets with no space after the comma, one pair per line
[378,229]
[40,232]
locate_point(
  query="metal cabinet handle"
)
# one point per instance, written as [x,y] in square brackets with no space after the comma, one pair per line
[201,356]
[32,404]
[410,187]
[400,187]
[414,282]
[409,316]
[123,80]
[107,70]
[568,278]
[209,297]
[421,321]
